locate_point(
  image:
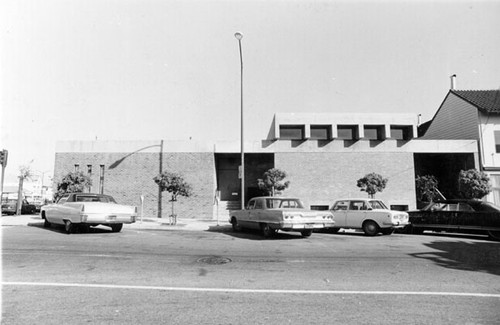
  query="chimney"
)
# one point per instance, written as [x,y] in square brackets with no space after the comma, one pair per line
[453,82]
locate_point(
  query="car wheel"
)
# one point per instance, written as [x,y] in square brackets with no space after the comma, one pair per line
[370,228]
[46,224]
[236,226]
[68,226]
[117,227]
[387,231]
[306,233]
[267,231]
[495,235]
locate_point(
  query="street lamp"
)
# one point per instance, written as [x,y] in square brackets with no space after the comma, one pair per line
[239,36]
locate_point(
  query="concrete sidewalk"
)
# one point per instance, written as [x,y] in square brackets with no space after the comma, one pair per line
[144,223]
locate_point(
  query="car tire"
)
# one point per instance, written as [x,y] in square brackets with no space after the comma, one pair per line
[387,231]
[235,225]
[370,228]
[117,227]
[267,231]
[46,223]
[306,233]
[494,235]
[68,227]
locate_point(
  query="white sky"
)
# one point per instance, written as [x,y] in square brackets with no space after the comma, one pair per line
[157,69]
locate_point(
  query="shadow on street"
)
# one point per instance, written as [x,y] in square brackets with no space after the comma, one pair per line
[467,256]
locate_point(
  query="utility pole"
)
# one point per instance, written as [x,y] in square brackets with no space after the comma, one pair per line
[159,185]
[3,160]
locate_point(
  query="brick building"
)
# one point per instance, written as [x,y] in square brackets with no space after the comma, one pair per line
[323,154]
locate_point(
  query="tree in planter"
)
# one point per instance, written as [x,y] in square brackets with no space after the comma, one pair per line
[473,184]
[175,185]
[74,182]
[426,187]
[372,183]
[25,173]
[273,183]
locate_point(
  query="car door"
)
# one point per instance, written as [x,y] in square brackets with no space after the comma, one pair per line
[339,211]
[356,214]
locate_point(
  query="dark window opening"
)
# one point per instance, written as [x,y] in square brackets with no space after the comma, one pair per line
[347,132]
[321,132]
[401,132]
[497,141]
[291,132]
[319,207]
[399,207]
[374,132]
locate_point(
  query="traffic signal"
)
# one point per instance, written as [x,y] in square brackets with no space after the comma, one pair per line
[3,157]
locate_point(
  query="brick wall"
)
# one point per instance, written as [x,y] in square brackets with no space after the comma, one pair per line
[133,177]
[321,178]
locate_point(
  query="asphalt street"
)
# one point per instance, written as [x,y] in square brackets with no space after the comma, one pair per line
[217,276]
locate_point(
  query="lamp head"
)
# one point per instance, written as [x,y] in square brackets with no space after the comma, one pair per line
[238,35]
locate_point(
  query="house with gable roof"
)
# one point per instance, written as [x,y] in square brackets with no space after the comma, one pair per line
[474,115]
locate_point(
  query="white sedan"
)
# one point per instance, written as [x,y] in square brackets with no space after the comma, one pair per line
[371,215]
[87,209]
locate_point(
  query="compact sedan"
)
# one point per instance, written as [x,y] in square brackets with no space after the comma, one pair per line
[461,216]
[87,209]
[371,215]
[270,214]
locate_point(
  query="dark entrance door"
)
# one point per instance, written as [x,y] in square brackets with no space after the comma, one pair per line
[228,182]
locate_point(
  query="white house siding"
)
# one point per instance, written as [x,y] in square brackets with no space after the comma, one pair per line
[455,119]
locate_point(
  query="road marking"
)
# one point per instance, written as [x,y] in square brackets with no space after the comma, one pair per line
[230,290]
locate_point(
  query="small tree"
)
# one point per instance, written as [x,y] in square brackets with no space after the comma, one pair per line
[426,187]
[372,183]
[25,173]
[175,185]
[473,184]
[74,182]
[273,183]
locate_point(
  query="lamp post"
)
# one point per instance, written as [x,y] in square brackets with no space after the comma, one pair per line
[239,36]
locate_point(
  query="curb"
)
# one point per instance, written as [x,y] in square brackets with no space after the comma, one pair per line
[144,223]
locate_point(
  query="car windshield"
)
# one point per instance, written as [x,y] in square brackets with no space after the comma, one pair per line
[376,204]
[284,204]
[94,198]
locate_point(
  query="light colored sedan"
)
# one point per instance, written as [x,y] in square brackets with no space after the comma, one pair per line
[270,214]
[87,209]
[371,215]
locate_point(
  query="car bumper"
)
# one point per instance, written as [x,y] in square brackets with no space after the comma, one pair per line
[305,225]
[108,219]
[396,225]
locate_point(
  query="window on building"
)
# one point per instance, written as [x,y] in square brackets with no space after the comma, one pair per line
[89,173]
[101,179]
[495,188]
[347,132]
[291,132]
[77,168]
[497,141]
[401,132]
[374,132]
[321,132]
[319,207]
[399,207]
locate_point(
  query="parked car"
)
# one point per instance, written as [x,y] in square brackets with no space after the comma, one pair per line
[463,216]
[270,214]
[371,215]
[9,206]
[86,210]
